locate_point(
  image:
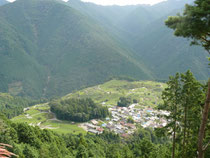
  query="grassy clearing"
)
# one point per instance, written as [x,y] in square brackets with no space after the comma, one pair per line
[64,127]
[40,115]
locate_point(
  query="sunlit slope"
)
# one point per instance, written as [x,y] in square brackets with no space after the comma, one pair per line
[147,93]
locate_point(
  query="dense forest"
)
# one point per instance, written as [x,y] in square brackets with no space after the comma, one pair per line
[32,142]
[79,110]
[12,106]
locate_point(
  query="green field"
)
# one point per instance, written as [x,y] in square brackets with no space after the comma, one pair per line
[40,115]
[147,93]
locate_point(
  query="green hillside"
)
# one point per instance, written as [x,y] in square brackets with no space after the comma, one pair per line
[50,49]
[147,93]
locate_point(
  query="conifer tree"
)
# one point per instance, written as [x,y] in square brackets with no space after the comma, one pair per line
[171,97]
[195,24]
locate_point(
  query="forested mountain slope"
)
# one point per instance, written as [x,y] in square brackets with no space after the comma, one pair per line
[142,29]
[163,52]
[48,48]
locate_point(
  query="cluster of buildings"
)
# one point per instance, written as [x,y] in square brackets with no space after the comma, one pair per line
[118,123]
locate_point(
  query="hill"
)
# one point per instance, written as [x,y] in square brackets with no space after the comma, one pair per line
[147,93]
[49,49]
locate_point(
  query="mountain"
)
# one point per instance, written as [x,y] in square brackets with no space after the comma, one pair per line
[169,54]
[141,28]
[139,18]
[49,49]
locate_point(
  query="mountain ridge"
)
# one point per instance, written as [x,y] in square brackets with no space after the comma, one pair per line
[71,49]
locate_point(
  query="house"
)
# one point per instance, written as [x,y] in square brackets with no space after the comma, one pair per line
[94,122]
[122,123]
[26,109]
[100,130]
[116,119]
[107,119]
[90,125]
[130,125]
[124,135]
[118,126]
[104,125]
[93,131]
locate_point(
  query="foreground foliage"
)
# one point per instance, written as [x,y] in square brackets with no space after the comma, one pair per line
[28,141]
[195,24]
[184,99]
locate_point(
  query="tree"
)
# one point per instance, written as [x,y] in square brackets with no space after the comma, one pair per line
[124,102]
[192,97]
[172,97]
[183,98]
[130,120]
[195,24]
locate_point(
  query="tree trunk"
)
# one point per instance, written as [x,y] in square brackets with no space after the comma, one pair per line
[185,126]
[174,135]
[203,123]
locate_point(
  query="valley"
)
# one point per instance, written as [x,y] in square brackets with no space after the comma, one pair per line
[81,80]
[147,95]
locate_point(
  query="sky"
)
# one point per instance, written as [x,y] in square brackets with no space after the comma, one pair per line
[123,2]
[119,2]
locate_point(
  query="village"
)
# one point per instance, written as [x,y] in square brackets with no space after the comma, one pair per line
[124,120]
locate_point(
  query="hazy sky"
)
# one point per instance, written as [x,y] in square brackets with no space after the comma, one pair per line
[123,2]
[118,2]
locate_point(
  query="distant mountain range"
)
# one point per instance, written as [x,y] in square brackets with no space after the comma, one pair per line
[50,48]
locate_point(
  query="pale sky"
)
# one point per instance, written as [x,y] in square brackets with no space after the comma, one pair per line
[118,2]
[124,2]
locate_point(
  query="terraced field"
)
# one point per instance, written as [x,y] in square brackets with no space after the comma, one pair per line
[147,93]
